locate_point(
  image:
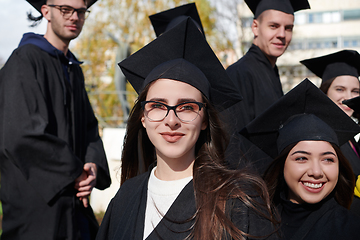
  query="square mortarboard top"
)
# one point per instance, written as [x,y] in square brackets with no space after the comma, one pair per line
[38,3]
[182,54]
[304,113]
[165,20]
[345,62]
[286,6]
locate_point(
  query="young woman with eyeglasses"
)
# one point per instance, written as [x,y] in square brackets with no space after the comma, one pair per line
[174,135]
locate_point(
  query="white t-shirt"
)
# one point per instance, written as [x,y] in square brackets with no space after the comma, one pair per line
[160,196]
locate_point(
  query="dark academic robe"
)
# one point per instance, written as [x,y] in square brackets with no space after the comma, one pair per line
[326,220]
[125,216]
[351,155]
[48,131]
[259,85]
[241,153]
[257,82]
[354,160]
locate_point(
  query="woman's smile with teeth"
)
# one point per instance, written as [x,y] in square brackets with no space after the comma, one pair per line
[313,185]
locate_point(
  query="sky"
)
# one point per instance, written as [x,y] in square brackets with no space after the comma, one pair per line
[14,23]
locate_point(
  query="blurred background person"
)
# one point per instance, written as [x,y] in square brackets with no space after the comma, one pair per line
[51,153]
[256,75]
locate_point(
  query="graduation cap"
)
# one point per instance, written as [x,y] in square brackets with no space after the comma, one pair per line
[353,103]
[345,62]
[286,6]
[304,113]
[166,20]
[182,54]
[38,3]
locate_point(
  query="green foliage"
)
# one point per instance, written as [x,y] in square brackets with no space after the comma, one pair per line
[127,21]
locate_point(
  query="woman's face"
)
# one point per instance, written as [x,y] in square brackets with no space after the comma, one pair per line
[343,88]
[173,138]
[311,171]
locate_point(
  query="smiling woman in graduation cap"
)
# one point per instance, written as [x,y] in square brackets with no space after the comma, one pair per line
[339,72]
[340,75]
[175,137]
[310,180]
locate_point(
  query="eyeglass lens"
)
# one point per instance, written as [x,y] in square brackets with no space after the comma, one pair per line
[68,11]
[186,112]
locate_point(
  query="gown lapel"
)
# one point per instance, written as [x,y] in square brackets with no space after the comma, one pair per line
[131,223]
[177,222]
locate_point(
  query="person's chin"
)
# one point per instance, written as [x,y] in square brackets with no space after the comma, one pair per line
[346,109]
[278,52]
[349,112]
[72,34]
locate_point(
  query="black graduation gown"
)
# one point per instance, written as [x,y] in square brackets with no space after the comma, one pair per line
[350,155]
[241,153]
[259,85]
[48,131]
[327,220]
[257,82]
[125,216]
[354,160]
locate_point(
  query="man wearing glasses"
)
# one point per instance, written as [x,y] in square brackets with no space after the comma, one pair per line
[51,154]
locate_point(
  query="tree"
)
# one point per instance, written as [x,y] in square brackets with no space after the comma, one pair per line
[230,23]
[116,29]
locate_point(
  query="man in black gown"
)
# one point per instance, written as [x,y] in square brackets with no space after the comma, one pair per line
[256,75]
[51,154]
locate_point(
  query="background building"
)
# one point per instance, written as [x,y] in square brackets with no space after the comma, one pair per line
[329,26]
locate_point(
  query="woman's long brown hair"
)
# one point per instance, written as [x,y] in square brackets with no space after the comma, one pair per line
[221,184]
[343,192]
[325,85]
